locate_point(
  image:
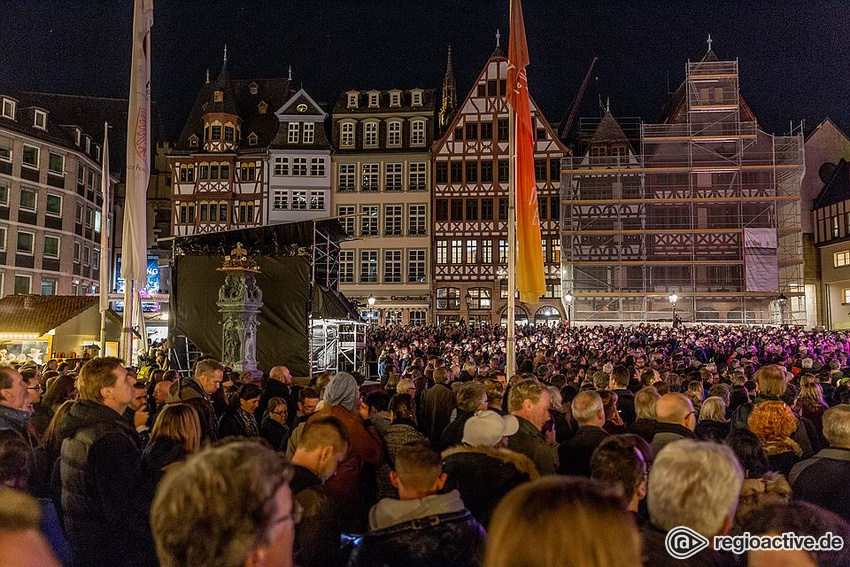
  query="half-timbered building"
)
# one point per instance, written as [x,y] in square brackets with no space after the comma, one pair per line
[219,164]
[702,219]
[470,207]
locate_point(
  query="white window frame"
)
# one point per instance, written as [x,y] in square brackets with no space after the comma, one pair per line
[48,281]
[370,134]
[5,186]
[417,220]
[393,272]
[32,243]
[9,108]
[393,220]
[293,133]
[86,255]
[78,252]
[394,133]
[35,200]
[346,266]
[347,177]
[29,285]
[2,238]
[280,200]
[317,197]
[374,99]
[78,213]
[841,259]
[353,100]
[416,98]
[395,98]
[374,175]
[369,220]
[40,119]
[299,200]
[317,167]
[417,179]
[37,156]
[417,132]
[5,154]
[299,166]
[58,246]
[308,135]
[281,166]
[347,218]
[369,258]
[95,259]
[417,263]
[346,134]
[61,205]
[394,177]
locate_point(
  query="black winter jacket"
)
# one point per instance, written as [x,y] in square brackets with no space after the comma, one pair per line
[454,539]
[105,497]
[317,536]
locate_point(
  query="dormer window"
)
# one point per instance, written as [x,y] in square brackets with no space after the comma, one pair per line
[262,108]
[416,98]
[88,145]
[218,96]
[373,99]
[253,88]
[193,141]
[40,119]
[97,152]
[8,108]
[252,139]
[77,135]
[352,100]
[395,98]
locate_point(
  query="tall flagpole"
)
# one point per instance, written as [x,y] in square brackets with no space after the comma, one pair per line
[510,343]
[134,236]
[105,252]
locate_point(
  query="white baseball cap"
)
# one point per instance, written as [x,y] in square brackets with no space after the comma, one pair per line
[486,428]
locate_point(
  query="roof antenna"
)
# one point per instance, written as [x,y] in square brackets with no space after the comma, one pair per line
[709,41]
[498,38]
[208,76]
[290,73]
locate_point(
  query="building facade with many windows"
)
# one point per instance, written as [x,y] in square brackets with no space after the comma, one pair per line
[701,220]
[381,192]
[219,165]
[299,162]
[470,208]
[50,201]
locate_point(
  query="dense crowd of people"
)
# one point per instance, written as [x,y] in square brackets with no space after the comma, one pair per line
[602,442]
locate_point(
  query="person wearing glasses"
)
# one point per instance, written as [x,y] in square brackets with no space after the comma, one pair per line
[229,505]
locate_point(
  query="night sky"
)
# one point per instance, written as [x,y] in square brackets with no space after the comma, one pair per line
[794,57]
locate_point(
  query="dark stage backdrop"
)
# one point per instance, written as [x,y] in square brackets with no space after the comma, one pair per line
[282,332]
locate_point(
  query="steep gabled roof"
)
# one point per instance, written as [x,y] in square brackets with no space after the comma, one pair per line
[837,189]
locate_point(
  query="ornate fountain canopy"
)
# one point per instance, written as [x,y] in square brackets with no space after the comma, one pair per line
[239,260]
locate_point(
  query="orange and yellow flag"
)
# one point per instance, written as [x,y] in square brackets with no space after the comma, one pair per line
[531,283]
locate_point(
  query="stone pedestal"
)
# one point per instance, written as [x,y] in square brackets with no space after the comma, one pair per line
[239,302]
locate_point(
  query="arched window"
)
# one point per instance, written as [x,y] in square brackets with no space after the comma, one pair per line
[520,316]
[547,315]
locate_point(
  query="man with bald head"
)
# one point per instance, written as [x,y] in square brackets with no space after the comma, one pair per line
[676,420]
[574,454]
[279,385]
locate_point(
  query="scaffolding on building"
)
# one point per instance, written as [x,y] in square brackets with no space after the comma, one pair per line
[707,209]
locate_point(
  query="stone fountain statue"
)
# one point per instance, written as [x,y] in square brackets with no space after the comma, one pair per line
[239,302]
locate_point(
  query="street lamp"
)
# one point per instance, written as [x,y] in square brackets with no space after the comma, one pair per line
[782,301]
[569,299]
[371,300]
[673,299]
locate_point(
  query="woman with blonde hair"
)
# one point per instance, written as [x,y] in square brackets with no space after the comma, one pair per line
[811,405]
[556,522]
[176,433]
[713,425]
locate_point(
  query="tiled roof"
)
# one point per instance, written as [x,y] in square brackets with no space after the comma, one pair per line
[238,100]
[40,313]
[87,112]
[837,188]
